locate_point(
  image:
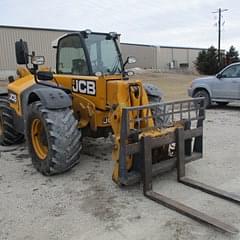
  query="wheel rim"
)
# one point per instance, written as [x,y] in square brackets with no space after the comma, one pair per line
[1,123]
[39,142]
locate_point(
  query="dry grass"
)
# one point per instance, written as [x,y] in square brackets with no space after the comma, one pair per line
[3,83]
[173,85]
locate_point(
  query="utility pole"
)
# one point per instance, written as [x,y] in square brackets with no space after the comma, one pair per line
[219,32]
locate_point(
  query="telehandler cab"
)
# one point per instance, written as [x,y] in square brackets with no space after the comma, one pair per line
[91,95]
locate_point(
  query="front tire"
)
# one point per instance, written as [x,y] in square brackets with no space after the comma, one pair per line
[203,93]
[8,134]
[53,139]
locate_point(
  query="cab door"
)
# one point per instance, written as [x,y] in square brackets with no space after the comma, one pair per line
[227,86]
[74,71]
[71,56]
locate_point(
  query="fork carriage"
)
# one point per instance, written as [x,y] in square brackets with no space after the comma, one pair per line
[181,123]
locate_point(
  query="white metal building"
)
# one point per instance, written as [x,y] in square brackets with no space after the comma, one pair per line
[163,58]
[39,40]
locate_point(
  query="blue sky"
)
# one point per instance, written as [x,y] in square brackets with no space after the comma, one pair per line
[159,22]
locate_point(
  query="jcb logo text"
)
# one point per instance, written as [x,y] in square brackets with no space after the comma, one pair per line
[84,87]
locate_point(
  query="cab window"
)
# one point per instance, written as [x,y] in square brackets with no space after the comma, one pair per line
[103,53]
[71,57]
[232,72]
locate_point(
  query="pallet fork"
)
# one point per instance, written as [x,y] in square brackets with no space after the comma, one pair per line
[189,147]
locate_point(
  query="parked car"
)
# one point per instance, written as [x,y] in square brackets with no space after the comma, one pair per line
[222,88]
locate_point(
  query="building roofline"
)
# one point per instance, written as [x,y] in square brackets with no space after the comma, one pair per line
[190,48]
[38,28]
[48,29]
[74,30]
[138,44]
[162,46]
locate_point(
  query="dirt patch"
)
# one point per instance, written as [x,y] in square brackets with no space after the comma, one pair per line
[173,85]
[3,84]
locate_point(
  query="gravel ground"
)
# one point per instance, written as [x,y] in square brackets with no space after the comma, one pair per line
[85,204]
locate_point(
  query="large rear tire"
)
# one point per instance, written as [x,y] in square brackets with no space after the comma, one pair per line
[53,139]
[8,134]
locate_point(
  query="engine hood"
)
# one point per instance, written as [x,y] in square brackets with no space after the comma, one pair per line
[204,79]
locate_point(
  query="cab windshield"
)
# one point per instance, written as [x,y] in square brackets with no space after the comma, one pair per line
[103,53]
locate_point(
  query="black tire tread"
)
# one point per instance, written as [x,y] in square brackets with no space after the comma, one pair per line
[202,92]
[10,136]
[63,143]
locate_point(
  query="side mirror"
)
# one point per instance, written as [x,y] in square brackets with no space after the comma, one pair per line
[219,75]
[130,60]
[44,76]
[21,50]
[37,60]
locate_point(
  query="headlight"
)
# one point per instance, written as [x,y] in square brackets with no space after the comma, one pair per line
[88,31]
[12,97]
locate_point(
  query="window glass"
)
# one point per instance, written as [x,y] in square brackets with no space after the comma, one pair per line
[103,54]
[71,58]
[231,72]
[93,52]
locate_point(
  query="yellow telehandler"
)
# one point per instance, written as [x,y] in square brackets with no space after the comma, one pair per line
[91,94]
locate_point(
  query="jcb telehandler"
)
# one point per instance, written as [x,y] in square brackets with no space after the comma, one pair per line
[91,95]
